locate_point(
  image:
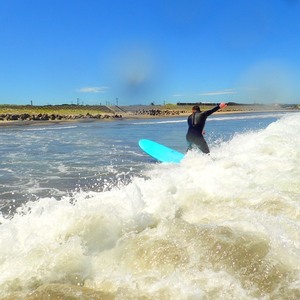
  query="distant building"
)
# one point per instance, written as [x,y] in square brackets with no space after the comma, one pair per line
[196,103]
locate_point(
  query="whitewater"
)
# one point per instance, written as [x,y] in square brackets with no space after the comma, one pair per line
[118,225]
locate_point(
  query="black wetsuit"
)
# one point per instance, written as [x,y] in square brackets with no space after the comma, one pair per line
[196,122]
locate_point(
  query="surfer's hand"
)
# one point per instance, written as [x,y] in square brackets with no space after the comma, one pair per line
[203,131]
[222,105]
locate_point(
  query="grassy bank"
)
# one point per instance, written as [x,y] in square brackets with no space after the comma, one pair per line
[53,109]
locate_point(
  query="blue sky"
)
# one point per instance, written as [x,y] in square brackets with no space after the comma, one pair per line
[143,51]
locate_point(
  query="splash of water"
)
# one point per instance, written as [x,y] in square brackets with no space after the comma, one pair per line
[224,226]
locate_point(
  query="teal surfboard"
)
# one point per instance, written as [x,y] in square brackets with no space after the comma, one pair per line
[160,152]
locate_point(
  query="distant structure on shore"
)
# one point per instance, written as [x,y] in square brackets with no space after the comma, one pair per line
[215,103]
[293,106]
[195,103]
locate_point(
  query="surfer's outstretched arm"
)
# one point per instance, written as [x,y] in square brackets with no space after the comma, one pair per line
[216,108]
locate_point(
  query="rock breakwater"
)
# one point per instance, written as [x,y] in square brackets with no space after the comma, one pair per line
[54,117]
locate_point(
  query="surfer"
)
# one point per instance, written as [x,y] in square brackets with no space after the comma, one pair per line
[196,122]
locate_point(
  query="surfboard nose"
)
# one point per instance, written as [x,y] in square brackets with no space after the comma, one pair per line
[160,152]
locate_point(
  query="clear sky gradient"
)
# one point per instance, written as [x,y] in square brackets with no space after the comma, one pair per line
[143,51]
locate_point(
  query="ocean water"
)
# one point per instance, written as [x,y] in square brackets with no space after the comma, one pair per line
[85,214]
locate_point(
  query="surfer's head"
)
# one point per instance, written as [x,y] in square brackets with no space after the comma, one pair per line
[196,108]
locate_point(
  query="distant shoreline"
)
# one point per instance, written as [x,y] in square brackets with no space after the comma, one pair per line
[130,116]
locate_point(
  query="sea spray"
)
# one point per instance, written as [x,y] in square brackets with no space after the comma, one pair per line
[224,226]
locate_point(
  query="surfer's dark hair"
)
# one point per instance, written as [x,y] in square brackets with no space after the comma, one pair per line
[196,108]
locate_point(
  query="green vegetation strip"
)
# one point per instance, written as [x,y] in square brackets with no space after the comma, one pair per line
[55,109]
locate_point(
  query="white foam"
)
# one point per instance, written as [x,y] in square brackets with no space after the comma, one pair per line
[169,234]
[50,128]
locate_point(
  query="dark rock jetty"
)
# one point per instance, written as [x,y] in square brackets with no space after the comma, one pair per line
[158,112]
[54,117]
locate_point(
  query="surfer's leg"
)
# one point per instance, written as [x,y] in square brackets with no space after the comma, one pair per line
[189,142]
[189,146]
[202,145]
